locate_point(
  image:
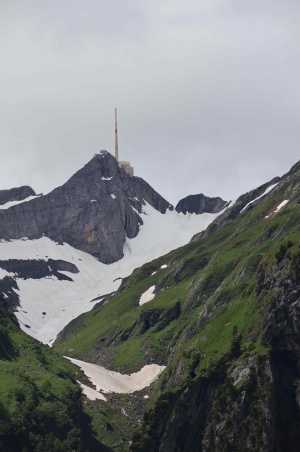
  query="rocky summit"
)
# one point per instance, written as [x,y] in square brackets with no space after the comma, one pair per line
[94,211]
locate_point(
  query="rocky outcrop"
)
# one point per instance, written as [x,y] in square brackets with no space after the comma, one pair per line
[9,298]
[15,194]
[214,414]
[200,204]
[93,211]
[38,268]
[249,199]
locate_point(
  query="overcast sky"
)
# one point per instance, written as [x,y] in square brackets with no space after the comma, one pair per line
[207,90]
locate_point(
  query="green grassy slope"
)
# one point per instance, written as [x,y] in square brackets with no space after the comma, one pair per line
[40,401]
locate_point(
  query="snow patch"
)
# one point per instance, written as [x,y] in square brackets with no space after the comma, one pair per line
[147,296]
[113,196]
[164,266]
[91,393]
[281,205]
[108,381]
[4,273]
[15,203]
[268,190]
[278,208]
[106,178]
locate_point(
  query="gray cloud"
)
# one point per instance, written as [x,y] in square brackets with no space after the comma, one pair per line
[207,91]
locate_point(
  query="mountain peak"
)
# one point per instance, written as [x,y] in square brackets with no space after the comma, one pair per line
[94,211]
[200,204]
[101,164]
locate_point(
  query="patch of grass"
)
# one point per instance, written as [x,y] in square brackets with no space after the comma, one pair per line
[40,401]
[129,354]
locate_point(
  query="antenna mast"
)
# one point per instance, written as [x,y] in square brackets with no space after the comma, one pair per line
[116,136]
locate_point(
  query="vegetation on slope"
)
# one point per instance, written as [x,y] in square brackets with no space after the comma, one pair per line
[40,401]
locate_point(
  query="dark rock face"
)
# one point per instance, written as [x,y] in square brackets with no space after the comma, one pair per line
[200,204]
[214,415]
[15,194]
[93,211]
[38,268]
[9,298]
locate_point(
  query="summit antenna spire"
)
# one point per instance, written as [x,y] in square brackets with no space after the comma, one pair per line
[116,136]
[124,165]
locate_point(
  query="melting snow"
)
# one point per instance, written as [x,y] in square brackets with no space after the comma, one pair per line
[65,300]
[4,273]
[15,203]
[108,381]
[91,393]
[147,296]
[281,205]
[278,208]
[268,190]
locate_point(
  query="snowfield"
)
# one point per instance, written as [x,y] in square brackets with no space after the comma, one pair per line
[108,381]
[62,301]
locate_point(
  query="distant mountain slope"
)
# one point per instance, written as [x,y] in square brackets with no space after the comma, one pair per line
[56,283]
[223,314]
[66,249]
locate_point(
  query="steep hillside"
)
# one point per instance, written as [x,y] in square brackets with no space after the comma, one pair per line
[223,314]
[40,401]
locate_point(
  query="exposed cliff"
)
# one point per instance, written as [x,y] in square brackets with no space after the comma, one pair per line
[94,211]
